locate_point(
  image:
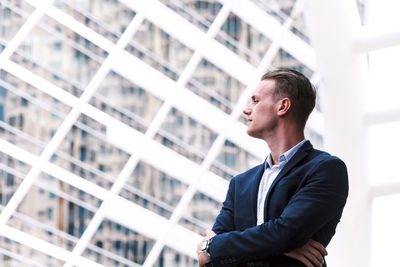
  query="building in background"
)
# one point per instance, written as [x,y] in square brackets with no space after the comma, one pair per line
[121,116]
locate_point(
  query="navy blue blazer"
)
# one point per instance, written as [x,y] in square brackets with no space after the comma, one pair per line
[305,201]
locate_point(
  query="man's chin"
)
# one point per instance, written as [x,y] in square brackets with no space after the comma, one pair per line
[254,134]
[251,133]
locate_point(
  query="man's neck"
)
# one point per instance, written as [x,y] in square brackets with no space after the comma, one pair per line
[279,144]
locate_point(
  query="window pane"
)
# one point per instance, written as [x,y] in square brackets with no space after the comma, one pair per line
[243,39]
[160,50]
[108,18]
[153,190]
[13,16]
[126,102]
[215,86]
[114,244]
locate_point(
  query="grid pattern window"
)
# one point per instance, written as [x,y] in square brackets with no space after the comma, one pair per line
[112,112]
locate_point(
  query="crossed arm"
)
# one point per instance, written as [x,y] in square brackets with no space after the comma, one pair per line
[310,254]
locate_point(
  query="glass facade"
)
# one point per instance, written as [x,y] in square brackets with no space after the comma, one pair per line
[116,123]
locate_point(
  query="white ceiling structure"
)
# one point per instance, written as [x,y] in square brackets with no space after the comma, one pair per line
[342,56]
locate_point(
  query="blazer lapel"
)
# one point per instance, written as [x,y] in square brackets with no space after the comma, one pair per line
[254,192]
[300,154]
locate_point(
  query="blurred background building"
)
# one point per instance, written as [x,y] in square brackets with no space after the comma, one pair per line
[121,121]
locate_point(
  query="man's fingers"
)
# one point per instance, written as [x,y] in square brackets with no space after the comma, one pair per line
[305,261]
[311,254]
[314,252]
[208,233]
[300,257]
[317,261]
[319,247]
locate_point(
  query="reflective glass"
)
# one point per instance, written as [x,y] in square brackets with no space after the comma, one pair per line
[159,50]
[12,172]
[108,18]
[215,86]
[299,28]
[114,245]
[186,136]
[171,257]
[199,13]
[13,253]
[29,117]
[90,155]
[56,216]
[201,213]
[74,61]
[13,15]
[236,159]
[154,190]
[278,9]
[285,60]
[126,102]
[243,39]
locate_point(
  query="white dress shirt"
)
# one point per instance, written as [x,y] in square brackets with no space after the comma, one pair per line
[270,173]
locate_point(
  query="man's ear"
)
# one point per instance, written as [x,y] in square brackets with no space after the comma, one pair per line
[284,106]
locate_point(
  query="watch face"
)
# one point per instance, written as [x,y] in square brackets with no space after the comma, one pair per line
[204,245]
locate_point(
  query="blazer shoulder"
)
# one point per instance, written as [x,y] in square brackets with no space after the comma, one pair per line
[321,158]
[320,155]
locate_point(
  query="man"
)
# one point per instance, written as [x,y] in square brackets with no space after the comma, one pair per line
[284,211]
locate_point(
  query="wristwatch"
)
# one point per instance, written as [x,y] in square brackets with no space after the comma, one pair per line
[205,246]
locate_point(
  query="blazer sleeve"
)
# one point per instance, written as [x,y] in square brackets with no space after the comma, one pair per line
[224,221]
[320,200]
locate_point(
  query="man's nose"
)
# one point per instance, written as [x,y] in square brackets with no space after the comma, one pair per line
[247,111]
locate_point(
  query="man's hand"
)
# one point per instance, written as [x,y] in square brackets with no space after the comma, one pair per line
[310,254]
[203,258]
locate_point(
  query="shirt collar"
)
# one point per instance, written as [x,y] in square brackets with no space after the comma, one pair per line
[285,157]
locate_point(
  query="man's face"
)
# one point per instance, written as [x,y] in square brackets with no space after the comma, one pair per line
[261,112]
